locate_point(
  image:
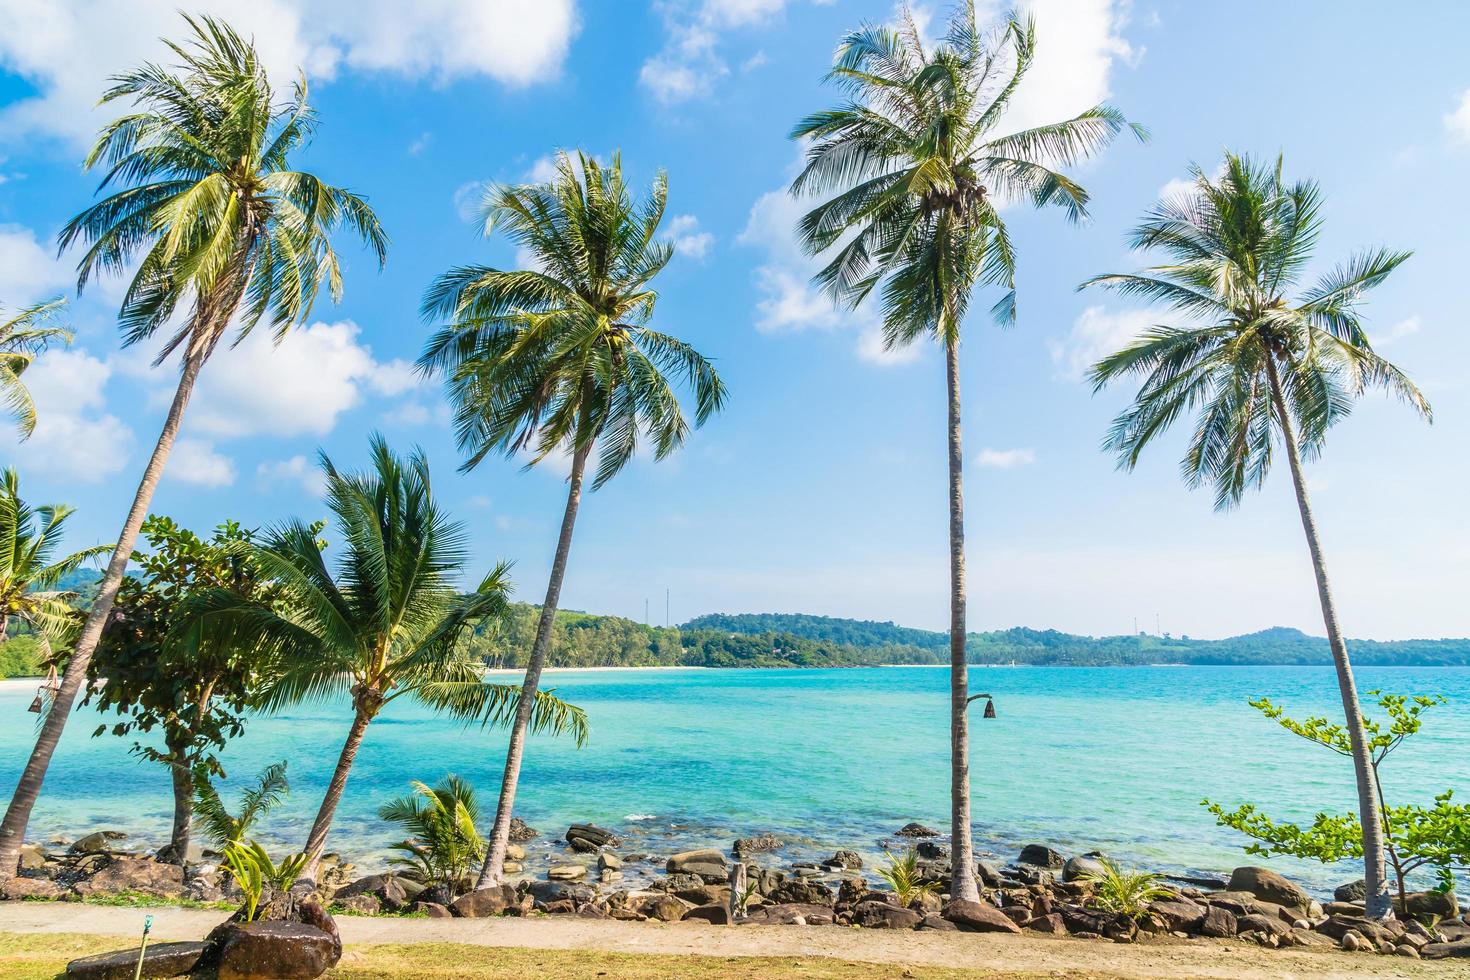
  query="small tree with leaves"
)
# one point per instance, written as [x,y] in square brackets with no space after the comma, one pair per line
[1416,836]
[179,683]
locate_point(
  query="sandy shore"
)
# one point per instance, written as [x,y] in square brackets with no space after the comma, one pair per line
[1061,957]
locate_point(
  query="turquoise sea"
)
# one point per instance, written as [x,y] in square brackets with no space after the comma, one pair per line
[1115,759]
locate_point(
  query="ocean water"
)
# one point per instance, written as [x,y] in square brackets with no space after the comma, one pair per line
[1115,759]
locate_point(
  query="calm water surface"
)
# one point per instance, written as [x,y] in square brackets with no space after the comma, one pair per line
[1115,759]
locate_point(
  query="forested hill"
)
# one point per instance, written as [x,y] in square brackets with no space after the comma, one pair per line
[1278,645]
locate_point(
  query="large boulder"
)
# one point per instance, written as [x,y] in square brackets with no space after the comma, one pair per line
[1217,923]
[1459,949]
[520,831]
[1353,891]
[392,891]
[98,843]
[1255,922]
[979,917]
[484,903]
[757,845]
[159,960]
[137,875]
[792,914]
[1179,914]
[547,892]
[800,891]
[882,915]
[1041,856]
[590,835]
[567,872]
[708,865]
[664,908]
[35,888]
[1415,904]
[1380,931]
[715,914]
[1083,867]
[273,951]
[1270,886]
[847,860]
[915,830]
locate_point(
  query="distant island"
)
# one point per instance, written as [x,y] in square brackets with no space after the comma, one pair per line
[797,640]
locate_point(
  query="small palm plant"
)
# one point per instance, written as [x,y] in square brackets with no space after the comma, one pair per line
[1123,892]
[258,875]
[220,826]
[903,876]
[24,335]
[445,845]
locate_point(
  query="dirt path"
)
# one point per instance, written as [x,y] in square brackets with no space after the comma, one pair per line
[1023,954]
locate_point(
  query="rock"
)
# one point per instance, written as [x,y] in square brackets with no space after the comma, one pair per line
[979,917]
[757,845]
[275,950]
[1343,908]
[547,892]
[708,864]
[1041,856]
[32,857]
[664,908]
[928,850]
[938,923]
[703,894]
[134,874]
[520,831]
[988,874]
[1351,941]
[97,843]
[794,914]
[591,833]
[717,914]
[1459,949]
[366,904]
[915,830]
[1052,924]
[801,892]
[582,845]
[1255,922]
[1353,891]
[431,910]
[1336,926]
[1030,874]
[159,960]
[1217,923]
[608,861]
[1082,868]
[35,888]
[484,903]
[1267,884]
[881,915]
[567,872]
[1408,951]
[850,891]
[1180,914]
[393,892]
[847,860]
[1442,904]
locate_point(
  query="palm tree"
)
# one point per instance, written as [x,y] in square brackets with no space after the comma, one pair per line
[28,333]
[29,569]
[917,173]
[223,828]
[561,358]
[1256,365]
[445,844]
[225,230]
[382,624]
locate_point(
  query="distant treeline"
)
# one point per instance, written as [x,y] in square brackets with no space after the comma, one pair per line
[794,640]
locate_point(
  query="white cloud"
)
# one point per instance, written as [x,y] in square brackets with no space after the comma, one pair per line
[196,461]
[74,438]
[298,470]
[757,60]
[1458,120]
[29,271]
[420,144]
[297,387]
[1404,328]
[67,51]
[1177,187]
[1005,459]
[683,231]
[690,62]
[1077,43]
[1096,334]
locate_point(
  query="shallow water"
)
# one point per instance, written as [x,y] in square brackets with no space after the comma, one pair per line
[1115,759]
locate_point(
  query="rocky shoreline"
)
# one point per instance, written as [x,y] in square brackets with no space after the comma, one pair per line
[590,872]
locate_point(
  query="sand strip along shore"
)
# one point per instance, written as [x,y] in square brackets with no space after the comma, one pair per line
[1225,960]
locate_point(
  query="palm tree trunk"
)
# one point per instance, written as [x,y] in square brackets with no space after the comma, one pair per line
[316,841]
[492,871]
[1376,899]
[18,815]
[962,854]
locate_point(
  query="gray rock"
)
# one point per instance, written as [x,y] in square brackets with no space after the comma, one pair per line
[1459,949]
[846,860]
[567,872]
[979,917]
[98,842]
[792,913]
[801,892]
[1255,922]
[717,914]
[915,830]
[593,834]
[1179,915]
[1442,904]
[938,923]
[882,915]
[431,910]
[1353,891]
[484,903]
[1080,868]
[1217,923]
[547,892]
[757,845]
[664,908]
[608,861]
[708,864]
[1041,856]
[134,874]
[159,960]
[1267,884]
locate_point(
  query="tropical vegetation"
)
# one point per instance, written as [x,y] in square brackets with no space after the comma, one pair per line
[377,619]
[445,845]
[561,360]
[1415,836]
[919,166]
[216,228]
[1257,367]
[1122,891]
[26,334]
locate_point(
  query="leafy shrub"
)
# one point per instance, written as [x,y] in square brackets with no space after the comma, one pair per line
[902,875]
[445,845]
[1123,892]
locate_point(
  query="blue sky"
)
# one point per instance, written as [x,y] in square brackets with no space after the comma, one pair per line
[821,489]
